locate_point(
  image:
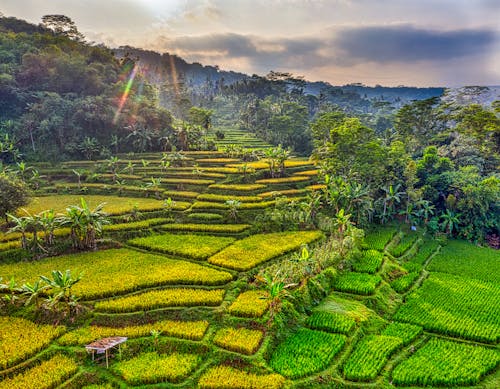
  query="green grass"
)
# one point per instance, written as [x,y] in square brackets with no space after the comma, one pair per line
[193,330]
[406,242]
[218,228]
[224,198]
[249,252]
[369,262]
[46,374]
[331,322]
[467,260]
[205,216]
[306,352]
[237,187]
[369,357]
[241,340]
[111,272]
[357,283]
[377,239]
[455,306]
[407,332]
[249,304]
[114,205]
[446,363]
[150,368]
[190,246]
[351,308]
[162,299]
[404,282]
[226,377]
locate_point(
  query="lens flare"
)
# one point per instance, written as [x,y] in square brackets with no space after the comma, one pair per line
[126,92]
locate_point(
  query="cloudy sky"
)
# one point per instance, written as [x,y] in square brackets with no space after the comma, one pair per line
[388,42]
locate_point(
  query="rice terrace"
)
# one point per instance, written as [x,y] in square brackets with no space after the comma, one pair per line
[164,229]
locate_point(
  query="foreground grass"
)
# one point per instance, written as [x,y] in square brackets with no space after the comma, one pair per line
[115,271]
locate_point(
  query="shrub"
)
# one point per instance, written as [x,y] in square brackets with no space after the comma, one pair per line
[162,299]
[190,246]
[240,340]
[306,352]
[225,377]
[330,322]
[150,368]
[249,304]
[247,253]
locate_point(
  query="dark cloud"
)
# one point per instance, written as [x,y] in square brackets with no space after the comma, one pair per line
[404,43]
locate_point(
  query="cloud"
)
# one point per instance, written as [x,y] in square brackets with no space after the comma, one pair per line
[405,43]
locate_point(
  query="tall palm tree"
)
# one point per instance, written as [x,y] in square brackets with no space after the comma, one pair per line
[392,196]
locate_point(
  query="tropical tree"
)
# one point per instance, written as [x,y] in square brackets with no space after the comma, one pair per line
[85,224]
[449,221]
[13,194]
[392,196]
[61,285]
[22,225]
[233,208]
[275,292]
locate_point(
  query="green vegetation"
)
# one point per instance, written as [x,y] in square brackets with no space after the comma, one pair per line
[251,303]
[378,238]
[369,262]
[224,198]
[370,356]
[191,246]
[241,340]
[306,352]
[150,368]
[48,373]
[405,243]
[37,337]
[224,377]
[466,260]
[194,330]
[358,283]
[137,270]
[331,322]
[263,248]
[205,216]
[445,363]
[406,332]
[162,299]
[237,187]
[439,306]
[219,228]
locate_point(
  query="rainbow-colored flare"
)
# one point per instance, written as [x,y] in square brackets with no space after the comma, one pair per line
[126,92]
